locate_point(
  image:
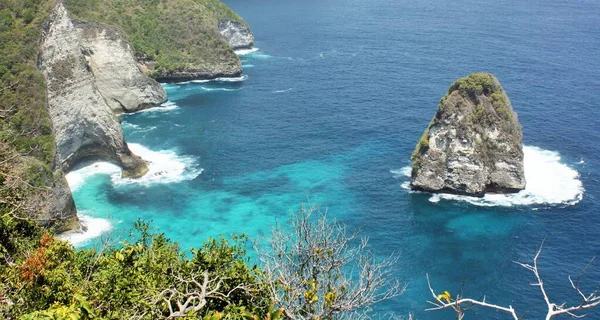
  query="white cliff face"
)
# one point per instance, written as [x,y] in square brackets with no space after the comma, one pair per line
[118,79]
[236,34]
[84,126]
[472,146]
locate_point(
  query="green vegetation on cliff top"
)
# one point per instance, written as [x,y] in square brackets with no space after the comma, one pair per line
[26,141]
[476,84]
[472,87]
[174,34]
[475,87]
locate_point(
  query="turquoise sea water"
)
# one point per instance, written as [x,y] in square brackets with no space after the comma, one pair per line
[330,109]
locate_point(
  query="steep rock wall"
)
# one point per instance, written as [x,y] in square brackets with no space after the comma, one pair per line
[84,126]
[237,34]
[473,145]
[111,60]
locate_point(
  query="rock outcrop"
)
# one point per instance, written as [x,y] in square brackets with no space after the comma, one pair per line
[80,93]
[61,212]
[473,145]
[237,34]
[111,60]
[228,68]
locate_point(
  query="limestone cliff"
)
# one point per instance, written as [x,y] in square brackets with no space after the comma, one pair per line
[473,145]
[71,65]
[111,60]
[237,34]
[174,40]
[80,92]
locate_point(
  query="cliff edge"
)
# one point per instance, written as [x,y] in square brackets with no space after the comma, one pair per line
[473,145]
[70,66]
[175,40]
[81,92]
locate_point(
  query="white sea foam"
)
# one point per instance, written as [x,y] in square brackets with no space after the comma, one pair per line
[400,173]
[282,91]
[243,52]
[126,124]
[253,53]
[241,78]
[139,130]
[91,228]
[77,177]
[221,79]
[549,182]
[246,66]
[163,167]
[165,107]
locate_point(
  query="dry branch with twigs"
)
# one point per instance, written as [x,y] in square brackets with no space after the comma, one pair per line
[318,270]
[460,304]
[191,293]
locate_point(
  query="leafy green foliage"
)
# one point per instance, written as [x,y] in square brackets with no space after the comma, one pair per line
[486,104]
[171,35]
[23,112]
[26,142]
[45,278]
[476,84]
[79,309]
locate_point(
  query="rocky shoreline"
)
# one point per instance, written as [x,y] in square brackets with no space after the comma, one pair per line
[93,75]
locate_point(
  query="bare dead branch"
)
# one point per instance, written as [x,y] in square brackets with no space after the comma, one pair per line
[457,305]
[192,294]
[317,269]
[589,301]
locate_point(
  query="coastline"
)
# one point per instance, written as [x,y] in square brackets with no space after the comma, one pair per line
[165,166]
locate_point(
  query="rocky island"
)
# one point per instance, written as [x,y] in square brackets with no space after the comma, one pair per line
[473,145]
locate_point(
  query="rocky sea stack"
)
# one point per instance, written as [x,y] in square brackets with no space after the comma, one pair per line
[473,145]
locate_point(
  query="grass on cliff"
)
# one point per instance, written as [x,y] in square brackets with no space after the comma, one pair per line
[26,141]
[175,34]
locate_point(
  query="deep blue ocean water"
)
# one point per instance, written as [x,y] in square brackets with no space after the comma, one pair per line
[334,101]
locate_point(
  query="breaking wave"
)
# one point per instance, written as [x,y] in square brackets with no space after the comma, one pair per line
[243,52]
[91,228]
[165,107]
[253,53]
[164,166]
[549,182]
[241,78]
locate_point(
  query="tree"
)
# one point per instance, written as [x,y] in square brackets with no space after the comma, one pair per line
[460,304]
[317,270]
[144,277]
